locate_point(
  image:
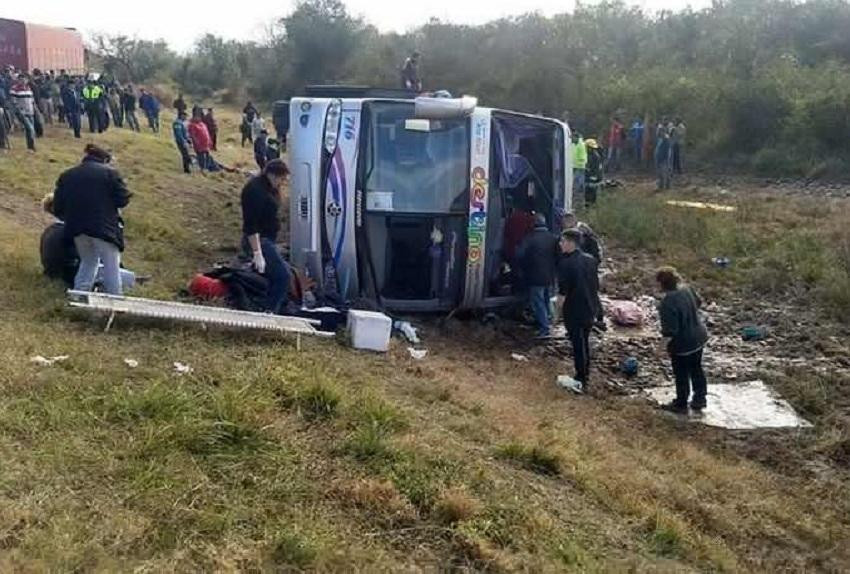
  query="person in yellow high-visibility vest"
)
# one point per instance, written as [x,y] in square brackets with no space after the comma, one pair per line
[92,94]
[579,155]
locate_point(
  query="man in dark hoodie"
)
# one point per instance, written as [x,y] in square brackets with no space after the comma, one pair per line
[538,256]
[686,337]
[578,280]
[88,198]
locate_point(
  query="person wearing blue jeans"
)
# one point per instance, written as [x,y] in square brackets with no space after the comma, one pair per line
[538,256]
[539,301]
[88,198]
[260,225]
[278,276]
[93,253]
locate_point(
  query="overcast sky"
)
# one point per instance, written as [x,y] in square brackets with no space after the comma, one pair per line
[181,22]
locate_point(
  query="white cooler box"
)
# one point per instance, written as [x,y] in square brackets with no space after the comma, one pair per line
[369,330]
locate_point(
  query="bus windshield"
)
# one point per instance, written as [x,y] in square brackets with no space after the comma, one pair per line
[415,166]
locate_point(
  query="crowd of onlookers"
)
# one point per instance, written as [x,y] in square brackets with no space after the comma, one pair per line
[643,143]
[28,102]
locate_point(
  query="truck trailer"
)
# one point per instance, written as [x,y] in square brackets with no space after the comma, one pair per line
[29,47]
[410,202]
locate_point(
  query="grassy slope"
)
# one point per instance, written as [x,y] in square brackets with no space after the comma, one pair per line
[268,458]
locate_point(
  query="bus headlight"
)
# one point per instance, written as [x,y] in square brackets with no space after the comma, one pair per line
[332,121]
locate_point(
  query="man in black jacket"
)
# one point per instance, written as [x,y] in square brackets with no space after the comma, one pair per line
[260,201]
[87,199]
[578,280]
[538,256]
[686,336]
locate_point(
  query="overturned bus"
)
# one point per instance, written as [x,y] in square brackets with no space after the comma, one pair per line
[415,203]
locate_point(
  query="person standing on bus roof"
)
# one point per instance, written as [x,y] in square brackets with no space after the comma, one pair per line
[410,79]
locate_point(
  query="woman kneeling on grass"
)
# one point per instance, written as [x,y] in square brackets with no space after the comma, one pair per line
[686,336]
[87,199]
[260,225]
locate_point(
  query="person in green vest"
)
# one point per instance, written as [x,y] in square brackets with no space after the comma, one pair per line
[579,155]
[92,94]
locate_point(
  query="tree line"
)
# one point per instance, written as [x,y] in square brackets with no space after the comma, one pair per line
[762,84]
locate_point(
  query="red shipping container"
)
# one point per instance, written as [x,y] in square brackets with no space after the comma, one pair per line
[13,44]
[29,46]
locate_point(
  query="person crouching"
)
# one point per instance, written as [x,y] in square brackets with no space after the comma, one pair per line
[88,198]
[261,225]
[686,336]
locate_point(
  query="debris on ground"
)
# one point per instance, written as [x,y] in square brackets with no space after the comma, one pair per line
[570,384]
[721,262]
[132,363]
[702,205]
[626,313]
[48,362]
[182,369]
[630,367]
[370,330]
[417,354]
[408,330]
[744,406]
[519,358]
[753,333]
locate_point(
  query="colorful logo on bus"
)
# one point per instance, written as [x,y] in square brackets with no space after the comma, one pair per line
[477,215]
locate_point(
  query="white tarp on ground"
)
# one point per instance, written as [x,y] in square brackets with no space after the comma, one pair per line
[750,405]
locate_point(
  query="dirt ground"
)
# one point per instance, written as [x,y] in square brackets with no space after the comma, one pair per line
[270,459]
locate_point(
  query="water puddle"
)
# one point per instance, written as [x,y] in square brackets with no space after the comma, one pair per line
[745,406]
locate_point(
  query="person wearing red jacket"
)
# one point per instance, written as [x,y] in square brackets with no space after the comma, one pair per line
[615,144]
[201,141]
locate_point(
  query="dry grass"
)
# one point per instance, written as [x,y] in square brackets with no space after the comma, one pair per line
[267,459]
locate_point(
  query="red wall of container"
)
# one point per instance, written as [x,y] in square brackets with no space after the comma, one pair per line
[30,46]
[13,44]
[50,48]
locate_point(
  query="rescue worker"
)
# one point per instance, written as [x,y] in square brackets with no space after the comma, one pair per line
[260,227]
[91,103]
[579,151]
[182,140]
[593,173]
[538,256]
[685,336]
[578,281]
